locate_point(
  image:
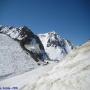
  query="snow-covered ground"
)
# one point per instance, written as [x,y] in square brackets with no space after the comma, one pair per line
[13,60]
[73,73]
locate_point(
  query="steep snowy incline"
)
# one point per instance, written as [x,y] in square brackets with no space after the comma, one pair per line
[55,46]
[13,60]
[28,41]
[73,73]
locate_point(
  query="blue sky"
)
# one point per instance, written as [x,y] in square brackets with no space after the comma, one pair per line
[69,18]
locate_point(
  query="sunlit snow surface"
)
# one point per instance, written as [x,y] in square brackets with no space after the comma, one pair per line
[13,60]
[59,46]
[73,73]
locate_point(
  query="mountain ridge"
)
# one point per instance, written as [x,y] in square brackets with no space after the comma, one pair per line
[40,46]
[27,39]
[53,42]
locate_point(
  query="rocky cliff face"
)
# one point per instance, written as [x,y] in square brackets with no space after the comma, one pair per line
[28,41]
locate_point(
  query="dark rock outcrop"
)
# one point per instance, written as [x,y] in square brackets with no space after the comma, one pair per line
[25,37]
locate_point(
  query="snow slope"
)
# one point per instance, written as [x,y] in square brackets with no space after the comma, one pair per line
[55,46]
[13,60]
[73,73]
[27,40]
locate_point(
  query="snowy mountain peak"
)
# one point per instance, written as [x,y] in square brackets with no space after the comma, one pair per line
[53,36]
[28,41]
[20,48]
[52,39]
[52,32]
[56,46]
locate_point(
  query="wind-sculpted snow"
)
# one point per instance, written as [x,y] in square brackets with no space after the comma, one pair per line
[73,73]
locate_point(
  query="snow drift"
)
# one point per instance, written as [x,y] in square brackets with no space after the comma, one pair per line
[73,73]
